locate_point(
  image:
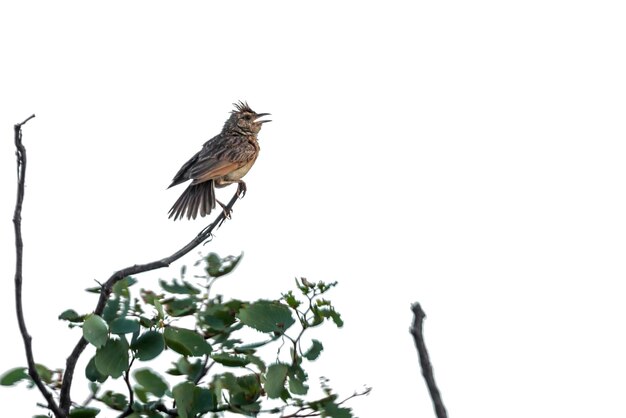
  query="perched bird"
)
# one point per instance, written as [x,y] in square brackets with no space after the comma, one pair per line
[223,160]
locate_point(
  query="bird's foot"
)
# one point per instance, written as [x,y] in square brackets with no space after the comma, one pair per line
[241,189]
[225,210]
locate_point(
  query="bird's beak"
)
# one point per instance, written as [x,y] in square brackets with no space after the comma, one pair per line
[260,115]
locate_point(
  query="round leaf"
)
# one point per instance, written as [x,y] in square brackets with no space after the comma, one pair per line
[95,330]
[186,342]
[183,395]
[275,379]
[267,316]
[148,346]
[92,373]
[112,358]
[151,381]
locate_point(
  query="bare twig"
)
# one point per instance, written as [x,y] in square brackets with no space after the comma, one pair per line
[427,369]
[131,394]
[107,288]
[19,254]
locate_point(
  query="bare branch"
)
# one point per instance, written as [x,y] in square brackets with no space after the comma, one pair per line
[427,369]
[107,288]
[131,394]
[19,256]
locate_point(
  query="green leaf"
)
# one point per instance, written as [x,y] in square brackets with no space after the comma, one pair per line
[151,381]
[95,330]
[204,400]
[113,400]
[297,386]
[181,307]
[112,358]
[217,267]
[213,264]
[71,315]
[186,342]
[110,310]
[267,316]
[275,379]
[159,308]
[291,300]
[191,399]
[329,313]
[121,287]
[11,377]
[184,397]
[141,393]
[185,287]
[95,289]
[92,373]
[314,351]
[297,380]
[149,345]
[332,410]
[124,326]
[257,361]
[44,372]
[184,367]
[84,412]
[230,360]
[245,390]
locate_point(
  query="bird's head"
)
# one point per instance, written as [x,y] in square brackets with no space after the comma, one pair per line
[245,120]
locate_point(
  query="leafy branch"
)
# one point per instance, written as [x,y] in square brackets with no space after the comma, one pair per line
[215,371]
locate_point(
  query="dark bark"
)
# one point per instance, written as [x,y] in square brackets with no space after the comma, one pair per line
[19,257]
[427,369]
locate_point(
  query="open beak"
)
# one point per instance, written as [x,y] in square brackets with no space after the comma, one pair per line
[260,115]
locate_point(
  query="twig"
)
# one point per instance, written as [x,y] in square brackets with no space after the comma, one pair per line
[427,369]
[205,369]
[131,394]
[19,255]
[107,288]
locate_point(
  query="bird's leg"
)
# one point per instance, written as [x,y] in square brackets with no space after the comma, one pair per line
[241,188]
[225,210]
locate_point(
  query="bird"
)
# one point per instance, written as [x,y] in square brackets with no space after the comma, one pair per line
[223,160]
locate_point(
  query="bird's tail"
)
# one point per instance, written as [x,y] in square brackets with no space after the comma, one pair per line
[196,198]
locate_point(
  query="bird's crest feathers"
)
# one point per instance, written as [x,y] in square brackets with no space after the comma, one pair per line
[242,107]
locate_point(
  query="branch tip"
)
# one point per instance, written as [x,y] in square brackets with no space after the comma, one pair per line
[19,125]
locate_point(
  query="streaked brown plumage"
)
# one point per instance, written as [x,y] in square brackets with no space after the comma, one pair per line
[223,160]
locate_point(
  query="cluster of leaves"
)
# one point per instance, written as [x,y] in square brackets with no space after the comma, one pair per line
[202,331]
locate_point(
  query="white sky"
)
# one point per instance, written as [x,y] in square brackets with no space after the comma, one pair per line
[466,155]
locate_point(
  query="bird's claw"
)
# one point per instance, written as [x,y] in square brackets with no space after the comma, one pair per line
[241,190]
[225,210]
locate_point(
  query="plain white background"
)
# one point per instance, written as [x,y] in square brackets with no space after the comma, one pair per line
[467,155]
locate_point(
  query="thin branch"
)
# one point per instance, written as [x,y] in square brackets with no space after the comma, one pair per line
[107,288]
[19,257]
[427,369]
[205,369]
[131,394]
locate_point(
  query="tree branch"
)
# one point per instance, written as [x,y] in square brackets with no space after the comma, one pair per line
[19,256]
[131,394]
[107,288]
[427,369]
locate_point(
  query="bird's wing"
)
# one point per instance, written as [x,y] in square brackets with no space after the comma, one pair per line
[211,169]
[183,174]
[219,158]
